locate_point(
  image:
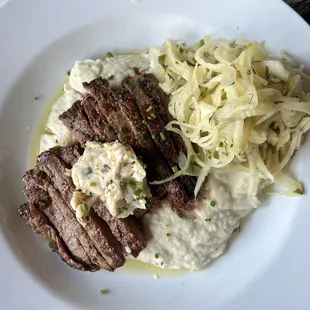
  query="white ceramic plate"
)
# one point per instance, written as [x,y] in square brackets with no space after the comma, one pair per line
[268,266]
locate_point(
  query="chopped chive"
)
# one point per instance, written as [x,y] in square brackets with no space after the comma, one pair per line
[299,191]
[175,169]
[208,220]
[36,98]
[192,158]
[248,71]
[138,191]
[161,59]
[221,144]
[163,136]
[136,70]
[106,166]
[136,116]
[133,162]
[153,115]
[168,234]
[92,184]
[124,164]
[132,81]
[102,292]
[132,182]
[156,255]
[149,118]
[111,77]
[144,122]
[206,54]
[88,170]
[69,72]
[109,54]
[83,145]
[85,207]
[203,90]
[149,109]
[212,203]
[208,153]
[254,71]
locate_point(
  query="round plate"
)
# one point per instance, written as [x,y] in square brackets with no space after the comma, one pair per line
[266,267]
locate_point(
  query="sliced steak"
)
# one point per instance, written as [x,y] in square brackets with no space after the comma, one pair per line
[126,231]
[100,89]
[41,225]
[98,121]
[69,154]
[98,231]
[76,120]
[71,231]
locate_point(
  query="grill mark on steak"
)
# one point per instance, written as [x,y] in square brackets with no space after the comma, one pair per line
[100,89]
[127,230]
[41,225]
[76,120]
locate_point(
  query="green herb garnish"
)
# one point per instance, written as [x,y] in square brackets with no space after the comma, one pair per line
[153,115]
[88,170]
[156,255]
[36,98]
[144,122]
[149,109]
[248,71]
[102,292]
[111,77]
[299,191]
[168,234]
[138,191]
[106,166]
[208,220]
[136,70]
[203,90]
[163,136]
[133,162]
[109,54]
[212,203]
[162,59]
[132,182]
[85,207]
[69,72]
[92,184]
[175,169]
[132,81]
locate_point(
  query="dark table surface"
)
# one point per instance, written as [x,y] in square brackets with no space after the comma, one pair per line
[302,7]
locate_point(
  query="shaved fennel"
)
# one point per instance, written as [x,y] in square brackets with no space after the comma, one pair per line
[234,105]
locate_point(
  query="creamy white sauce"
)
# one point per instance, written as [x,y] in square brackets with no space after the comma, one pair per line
[193,241]
[112,172]
[174,242]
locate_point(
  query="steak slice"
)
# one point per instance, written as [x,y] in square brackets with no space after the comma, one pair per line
[98,120]
[101,90]
[41,225]
[127,230]
[98,231]
[64,221]
[76,120]
[149,85]
[69,154]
